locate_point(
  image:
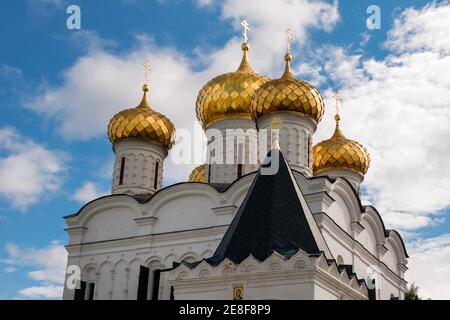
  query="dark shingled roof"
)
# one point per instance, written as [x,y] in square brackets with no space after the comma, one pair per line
[270,218]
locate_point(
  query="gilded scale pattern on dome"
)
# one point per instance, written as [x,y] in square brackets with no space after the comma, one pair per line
[338,152]
[229,94]
[198,174]
[288,94]
[142,122]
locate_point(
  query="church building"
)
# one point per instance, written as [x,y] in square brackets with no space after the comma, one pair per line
[234,230]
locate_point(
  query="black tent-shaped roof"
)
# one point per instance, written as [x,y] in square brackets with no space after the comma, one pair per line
[271,218]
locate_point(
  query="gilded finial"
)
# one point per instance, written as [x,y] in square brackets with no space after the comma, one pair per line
[338,101]
[288,57]
[145,87]
[245,66]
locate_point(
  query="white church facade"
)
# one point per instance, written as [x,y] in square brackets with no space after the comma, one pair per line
[232,231]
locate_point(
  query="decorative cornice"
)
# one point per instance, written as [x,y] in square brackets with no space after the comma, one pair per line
[356,227]
[189,280]
[146,221]
[229,209]
[402,268]
[76,231]
[381,250]
[322,197]
[344,238]
[320,217]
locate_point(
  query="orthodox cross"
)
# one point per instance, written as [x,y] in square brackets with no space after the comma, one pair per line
[246,26]
[338,101]
[147,69]
[289,39]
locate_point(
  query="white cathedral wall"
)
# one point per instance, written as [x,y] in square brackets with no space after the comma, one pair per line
[105,282]
[340,213]
[268,289]
[338,247]
[178,208]
[140,165]
[389,258]
[113,223]
[231,141]
[295,138]
[365,263]
[116,264]
[388,288]
[324,293]
[185,212]
[120,286]
[367,238]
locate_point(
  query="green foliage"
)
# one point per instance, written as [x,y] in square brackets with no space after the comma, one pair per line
[412,293]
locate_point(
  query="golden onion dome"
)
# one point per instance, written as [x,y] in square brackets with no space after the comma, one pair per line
[288,94]
[142,122]
[338,152]
[198,174]
[229,95]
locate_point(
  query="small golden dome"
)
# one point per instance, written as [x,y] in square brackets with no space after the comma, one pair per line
[338,152]
[142,122]
[288,94]
[198,174]
[229,94]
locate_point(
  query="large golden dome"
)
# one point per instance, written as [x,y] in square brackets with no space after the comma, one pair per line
[142,122]
[198,174]
[288,94]
[229,94]
[338,152]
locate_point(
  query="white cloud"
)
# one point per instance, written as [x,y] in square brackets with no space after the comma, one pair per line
[42,10]
[399,108]
[424,29]
[50,260]
[429,267]
[10,72]
[42,292]
[9,270]
[89,191]
[49,268]
[205,3]
[365,38]
[28,169]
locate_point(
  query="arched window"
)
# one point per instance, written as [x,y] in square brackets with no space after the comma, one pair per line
[339,260]
[209,173]
[91,291]
[155,184]
[122,170]
[309,149]
[240,159]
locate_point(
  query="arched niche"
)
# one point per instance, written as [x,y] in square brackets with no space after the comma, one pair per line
[367,237]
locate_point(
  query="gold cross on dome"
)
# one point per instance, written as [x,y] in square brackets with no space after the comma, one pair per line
[289,39]
[246,26]
[338,101]
[147,69]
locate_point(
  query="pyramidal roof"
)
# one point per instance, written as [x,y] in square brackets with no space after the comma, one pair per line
[273,216]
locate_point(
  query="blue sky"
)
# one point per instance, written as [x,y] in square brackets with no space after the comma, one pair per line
[46,119]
